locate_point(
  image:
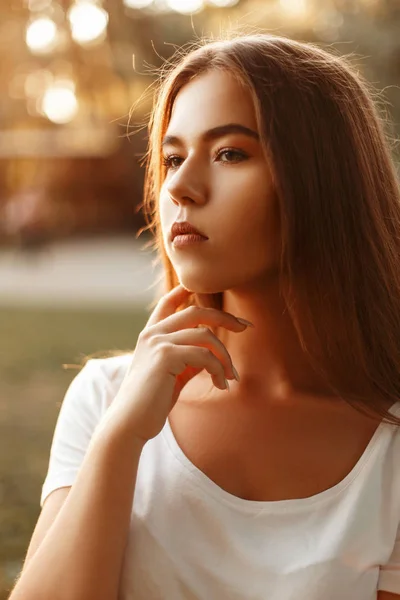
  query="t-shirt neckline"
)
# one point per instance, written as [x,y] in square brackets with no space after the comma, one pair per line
[200,479]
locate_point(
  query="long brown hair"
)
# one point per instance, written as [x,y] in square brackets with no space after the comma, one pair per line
[339,202]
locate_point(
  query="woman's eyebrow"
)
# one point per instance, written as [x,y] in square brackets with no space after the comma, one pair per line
[215,133]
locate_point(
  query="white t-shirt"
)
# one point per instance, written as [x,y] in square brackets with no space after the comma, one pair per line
[191,540]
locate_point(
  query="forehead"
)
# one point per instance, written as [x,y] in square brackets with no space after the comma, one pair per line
[209,100]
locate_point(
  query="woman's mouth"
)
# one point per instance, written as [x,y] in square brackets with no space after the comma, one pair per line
[188,239]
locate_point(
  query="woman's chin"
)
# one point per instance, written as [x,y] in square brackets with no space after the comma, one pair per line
[202,297]
[200,288]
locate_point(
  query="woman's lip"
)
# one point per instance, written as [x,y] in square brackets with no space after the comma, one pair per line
[188,239]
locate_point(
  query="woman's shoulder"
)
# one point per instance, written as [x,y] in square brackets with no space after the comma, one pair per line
[106,373]
[113,367]
[96,384]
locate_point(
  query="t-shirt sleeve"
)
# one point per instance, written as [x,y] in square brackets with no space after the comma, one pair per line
[82,409]
[389,574]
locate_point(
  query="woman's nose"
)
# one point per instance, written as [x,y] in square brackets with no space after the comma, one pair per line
[186,186]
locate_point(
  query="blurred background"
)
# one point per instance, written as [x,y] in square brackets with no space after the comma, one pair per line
[75,277]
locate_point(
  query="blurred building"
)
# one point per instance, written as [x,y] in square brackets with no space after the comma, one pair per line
[71,70]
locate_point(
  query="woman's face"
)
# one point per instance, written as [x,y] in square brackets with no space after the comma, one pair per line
[221,183]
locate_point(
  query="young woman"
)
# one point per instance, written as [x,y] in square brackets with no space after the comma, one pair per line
[165,484]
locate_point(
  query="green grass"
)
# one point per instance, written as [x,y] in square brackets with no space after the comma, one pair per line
[34,341]
[34,346]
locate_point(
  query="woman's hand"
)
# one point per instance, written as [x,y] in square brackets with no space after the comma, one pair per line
[172,348]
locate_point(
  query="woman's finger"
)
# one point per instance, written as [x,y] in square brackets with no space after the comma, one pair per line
[168,304]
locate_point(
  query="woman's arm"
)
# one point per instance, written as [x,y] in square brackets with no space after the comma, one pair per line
[81,556]
[51,507]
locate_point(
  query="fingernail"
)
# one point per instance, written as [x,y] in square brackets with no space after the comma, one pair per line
[227,384]
[235,373]
[245,322]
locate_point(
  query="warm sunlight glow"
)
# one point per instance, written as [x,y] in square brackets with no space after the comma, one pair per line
[59,103]
[186,7]
[294,7]
[224,3]
[88,21]
[41,34]
[37,82]
[137,3]
[37,5]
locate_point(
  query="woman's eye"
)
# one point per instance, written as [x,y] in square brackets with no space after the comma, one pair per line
[173,161]
[169,161]
[232,155]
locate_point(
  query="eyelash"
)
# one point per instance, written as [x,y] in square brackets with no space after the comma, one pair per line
[166,161]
